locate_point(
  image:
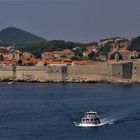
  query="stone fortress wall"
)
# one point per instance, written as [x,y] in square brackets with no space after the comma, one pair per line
[127,72]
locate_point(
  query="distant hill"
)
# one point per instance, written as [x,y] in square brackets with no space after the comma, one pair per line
[26,41]
[20,38]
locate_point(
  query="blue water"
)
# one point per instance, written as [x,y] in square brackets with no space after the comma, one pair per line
[47,111]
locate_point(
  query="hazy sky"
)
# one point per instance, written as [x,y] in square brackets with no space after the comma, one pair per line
[73,20]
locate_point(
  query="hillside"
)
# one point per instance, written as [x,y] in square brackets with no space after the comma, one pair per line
[53,45]
[24,40]
[135,45]
[12,35]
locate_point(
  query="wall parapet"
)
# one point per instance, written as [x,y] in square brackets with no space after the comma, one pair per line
[103,72]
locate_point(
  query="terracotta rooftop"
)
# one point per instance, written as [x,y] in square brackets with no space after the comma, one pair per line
[67,51]
[9,62]
[57,52]
[121,51]
[56,62]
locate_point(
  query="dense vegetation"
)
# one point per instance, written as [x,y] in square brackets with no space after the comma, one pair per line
[104,50]
[12,35]
[135,45]
[54,45]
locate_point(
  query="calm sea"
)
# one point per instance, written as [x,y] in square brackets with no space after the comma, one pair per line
[47,111]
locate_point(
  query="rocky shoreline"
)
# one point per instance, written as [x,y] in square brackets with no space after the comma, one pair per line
[93,82]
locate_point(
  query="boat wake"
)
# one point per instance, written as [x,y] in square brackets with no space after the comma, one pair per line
[112,119]
[107,122]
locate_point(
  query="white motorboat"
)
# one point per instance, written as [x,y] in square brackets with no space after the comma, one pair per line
[90,119]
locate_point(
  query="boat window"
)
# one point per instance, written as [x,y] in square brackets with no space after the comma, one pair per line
[87,120]
[96,119]
[83,120]
[92,120]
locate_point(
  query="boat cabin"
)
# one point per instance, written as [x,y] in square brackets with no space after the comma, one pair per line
[91,118]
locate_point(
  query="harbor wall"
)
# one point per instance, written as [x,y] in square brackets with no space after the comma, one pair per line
[136,72]
[87,73]
[127,72]
[6,73]
[41,74]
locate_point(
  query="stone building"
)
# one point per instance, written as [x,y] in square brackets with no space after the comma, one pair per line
[27,55]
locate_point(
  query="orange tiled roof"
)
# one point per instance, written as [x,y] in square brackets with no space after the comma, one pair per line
[67,51]
[65,59]
[56,62]
[57,52]
[79,62]
[9,62]
[121,51]
[33,60]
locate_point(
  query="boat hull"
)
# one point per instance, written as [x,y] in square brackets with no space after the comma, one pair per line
[86,125]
